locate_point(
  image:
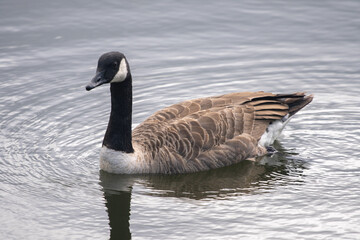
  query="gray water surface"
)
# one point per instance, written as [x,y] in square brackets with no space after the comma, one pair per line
[51,129]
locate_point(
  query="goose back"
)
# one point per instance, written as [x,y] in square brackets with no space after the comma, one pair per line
[213,132]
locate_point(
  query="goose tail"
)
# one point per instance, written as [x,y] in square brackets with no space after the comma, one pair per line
[296,101]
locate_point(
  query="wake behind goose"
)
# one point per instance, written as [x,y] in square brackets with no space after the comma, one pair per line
[190,136]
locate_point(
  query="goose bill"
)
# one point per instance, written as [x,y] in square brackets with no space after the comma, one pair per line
[96,81]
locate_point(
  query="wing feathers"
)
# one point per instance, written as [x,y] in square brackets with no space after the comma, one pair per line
[207,133]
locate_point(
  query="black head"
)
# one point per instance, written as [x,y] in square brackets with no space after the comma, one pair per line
[112,67]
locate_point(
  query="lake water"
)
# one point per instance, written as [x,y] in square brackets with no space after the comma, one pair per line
[51,129]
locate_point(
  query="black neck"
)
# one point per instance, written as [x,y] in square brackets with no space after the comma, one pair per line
[118,133]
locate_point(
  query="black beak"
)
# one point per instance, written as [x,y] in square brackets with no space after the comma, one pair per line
[96,81]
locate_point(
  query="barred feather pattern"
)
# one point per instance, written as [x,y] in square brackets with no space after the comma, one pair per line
[213,132]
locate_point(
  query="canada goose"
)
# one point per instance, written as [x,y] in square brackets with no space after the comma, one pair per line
[190,136]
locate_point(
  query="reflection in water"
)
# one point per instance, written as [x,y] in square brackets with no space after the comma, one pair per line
[247,177]
[117,193]
[118,205]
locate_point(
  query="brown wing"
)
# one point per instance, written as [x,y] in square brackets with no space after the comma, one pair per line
[212,132]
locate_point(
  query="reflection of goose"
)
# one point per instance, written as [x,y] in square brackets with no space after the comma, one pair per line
[190,136]
[246,177]
[117,192]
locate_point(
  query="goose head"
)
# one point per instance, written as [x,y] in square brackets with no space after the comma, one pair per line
[112,68]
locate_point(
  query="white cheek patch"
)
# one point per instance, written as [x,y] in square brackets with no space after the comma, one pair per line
[122,72]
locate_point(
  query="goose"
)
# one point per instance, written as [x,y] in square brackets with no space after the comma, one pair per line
[190,136]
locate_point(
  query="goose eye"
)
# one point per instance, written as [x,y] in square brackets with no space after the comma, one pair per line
[114,64]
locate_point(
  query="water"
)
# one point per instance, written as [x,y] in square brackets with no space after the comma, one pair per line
[51,128]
